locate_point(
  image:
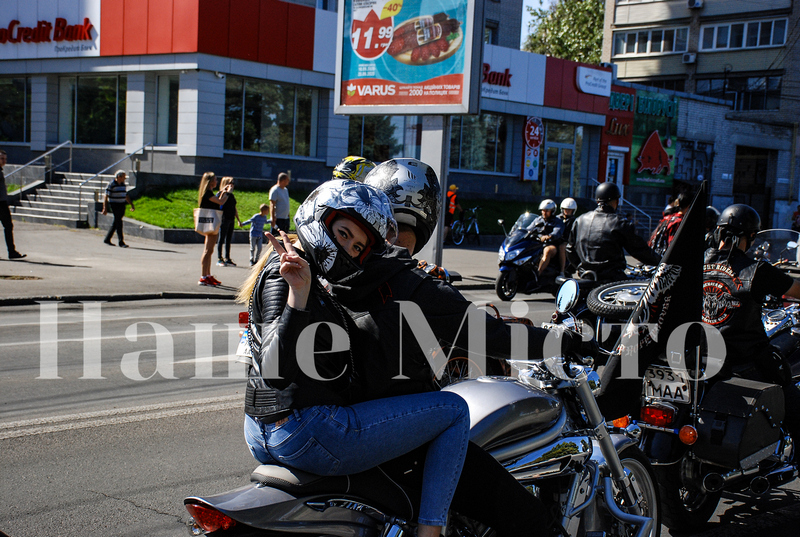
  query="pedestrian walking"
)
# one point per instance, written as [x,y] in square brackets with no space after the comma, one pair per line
[279,205]
[207,200]
[5,212]
[117,198]
[257,223]
[230,215]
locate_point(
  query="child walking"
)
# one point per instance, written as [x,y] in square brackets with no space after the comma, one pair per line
[257,223]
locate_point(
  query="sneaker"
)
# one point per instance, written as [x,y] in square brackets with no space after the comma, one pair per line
[16,255]
[215,282]
[204,281]
[108,242]
[221,263]
[123,245]
[230,263]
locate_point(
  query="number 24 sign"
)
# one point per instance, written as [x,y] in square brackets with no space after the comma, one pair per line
[534,132]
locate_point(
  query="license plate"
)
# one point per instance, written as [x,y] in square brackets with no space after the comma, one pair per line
[244,348]
[668,384]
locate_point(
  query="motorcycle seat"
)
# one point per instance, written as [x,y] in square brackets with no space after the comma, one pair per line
[373,485]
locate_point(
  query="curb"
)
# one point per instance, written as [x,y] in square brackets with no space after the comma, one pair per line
[72,299]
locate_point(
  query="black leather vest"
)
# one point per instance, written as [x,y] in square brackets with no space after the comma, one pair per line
[729,303]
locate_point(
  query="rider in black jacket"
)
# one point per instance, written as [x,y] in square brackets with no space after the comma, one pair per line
[734,289]
[599,238]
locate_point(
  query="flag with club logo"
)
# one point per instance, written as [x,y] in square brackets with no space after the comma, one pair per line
[673,297]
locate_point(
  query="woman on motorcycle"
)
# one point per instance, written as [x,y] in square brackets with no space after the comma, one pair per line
[305,405]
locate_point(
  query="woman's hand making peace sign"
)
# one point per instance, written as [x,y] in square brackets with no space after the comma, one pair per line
[294,269]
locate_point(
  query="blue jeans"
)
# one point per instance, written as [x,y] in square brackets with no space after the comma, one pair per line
[337,440]
[255,248]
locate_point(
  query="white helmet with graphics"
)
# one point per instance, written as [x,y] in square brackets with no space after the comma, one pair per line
[365,205]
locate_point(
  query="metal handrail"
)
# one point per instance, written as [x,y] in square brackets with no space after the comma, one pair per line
[98,174]
[44,155]
[627,202]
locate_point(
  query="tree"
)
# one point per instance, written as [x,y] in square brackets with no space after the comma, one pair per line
[568,29]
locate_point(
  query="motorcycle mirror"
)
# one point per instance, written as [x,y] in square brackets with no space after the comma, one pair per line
[500,221]
[790,245]
[567,296]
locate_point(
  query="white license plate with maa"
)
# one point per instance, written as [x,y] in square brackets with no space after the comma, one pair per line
[668,384]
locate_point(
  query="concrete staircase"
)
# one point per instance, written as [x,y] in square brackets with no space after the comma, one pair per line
[57,202]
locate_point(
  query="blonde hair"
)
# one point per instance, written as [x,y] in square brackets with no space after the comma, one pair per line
[204,182]
[246,289]
[225,181]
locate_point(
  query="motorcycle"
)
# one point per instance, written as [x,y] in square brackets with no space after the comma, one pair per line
[706,436]
[601,308]
[518,259]
[544,427]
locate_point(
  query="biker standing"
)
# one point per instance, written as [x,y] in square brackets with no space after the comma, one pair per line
[549,230]
[599,238]
[734,288]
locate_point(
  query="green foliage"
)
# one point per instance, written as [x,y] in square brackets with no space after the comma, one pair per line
[568,29]
[174,208]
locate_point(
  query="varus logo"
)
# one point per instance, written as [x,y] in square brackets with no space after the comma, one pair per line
[372,89]
[494,78]
[44,32]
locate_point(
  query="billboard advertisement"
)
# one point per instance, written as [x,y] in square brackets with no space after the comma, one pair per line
[32,30]
[655,130]
[408,57]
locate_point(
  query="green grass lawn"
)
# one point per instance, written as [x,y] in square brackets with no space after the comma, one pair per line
[173,208]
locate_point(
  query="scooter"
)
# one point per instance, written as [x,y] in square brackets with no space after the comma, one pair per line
[544,427]
[518,259]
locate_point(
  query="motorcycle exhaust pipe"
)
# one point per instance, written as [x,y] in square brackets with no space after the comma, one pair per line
[759,485]
[715,482]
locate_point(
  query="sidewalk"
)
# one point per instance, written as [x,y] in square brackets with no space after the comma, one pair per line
[74,265]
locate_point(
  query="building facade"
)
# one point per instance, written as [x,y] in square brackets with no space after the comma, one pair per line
[741,52]
[245,88]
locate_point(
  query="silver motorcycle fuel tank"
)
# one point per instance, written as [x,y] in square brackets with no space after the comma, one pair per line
[503,410]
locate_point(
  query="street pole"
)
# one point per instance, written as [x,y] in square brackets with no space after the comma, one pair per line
[435,152]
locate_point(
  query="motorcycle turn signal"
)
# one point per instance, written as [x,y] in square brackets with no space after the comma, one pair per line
[688,435]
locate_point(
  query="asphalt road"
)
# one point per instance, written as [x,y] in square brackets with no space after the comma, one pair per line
[112,446]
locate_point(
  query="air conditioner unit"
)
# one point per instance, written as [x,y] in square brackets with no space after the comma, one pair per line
[689,57]
[695,4]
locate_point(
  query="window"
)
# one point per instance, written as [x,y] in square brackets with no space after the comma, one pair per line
[744,35]
[167,110]
[746,93]
[264,117]
[658,41]
[91,110]
[15,110]
[380,138]
[490,32]
[480,143]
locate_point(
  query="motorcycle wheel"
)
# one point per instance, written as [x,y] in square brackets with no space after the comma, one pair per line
[616,300]
[639,468]
[457,232]
[686,507]
[506,284]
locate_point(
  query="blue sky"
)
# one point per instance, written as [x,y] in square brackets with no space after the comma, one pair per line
[526,18]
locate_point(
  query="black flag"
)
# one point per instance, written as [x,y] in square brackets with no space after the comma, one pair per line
[673,297]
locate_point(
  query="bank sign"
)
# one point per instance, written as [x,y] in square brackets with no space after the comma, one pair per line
[655,130]
[32,30]
[407,57]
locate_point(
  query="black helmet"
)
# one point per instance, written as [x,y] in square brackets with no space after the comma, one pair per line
[607,192]
[712,215]
[739,220]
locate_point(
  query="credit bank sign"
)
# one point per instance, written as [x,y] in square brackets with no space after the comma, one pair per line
[32,30]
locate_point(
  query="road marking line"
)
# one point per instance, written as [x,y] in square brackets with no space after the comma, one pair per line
[117,416]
